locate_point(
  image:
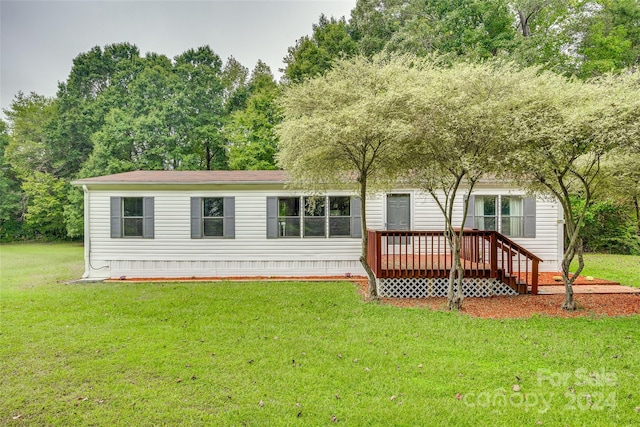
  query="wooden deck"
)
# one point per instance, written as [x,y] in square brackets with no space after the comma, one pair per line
[428,265]
[426,254]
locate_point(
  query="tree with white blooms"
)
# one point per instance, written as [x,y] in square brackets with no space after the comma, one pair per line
[345,127]
[565,130]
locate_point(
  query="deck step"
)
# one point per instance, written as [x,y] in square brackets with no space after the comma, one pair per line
[515,283]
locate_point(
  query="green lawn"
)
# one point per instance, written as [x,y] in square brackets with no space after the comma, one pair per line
[290,354]
[624,269]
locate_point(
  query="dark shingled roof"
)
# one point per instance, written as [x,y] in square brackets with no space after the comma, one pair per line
[189,177]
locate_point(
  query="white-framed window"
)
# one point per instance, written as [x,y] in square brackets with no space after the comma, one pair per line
[313,217]
[486,213]
[289,217]
[213,217]
[132,217]
[513,216]
[340,216]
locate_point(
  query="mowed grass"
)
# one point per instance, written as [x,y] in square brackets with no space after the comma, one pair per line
[624,269]
[288,354]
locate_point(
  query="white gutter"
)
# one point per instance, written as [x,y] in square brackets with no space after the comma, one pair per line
[97,183]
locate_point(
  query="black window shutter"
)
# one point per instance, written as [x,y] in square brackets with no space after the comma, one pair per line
[229,217]
[356,217]
[272,217]
[196,218]
[469,221]
[148,226]
[116,217]
[529,209]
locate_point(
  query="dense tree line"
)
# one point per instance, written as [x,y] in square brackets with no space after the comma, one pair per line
[119,111]
[571,37]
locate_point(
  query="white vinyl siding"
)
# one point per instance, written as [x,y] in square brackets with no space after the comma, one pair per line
[174,253]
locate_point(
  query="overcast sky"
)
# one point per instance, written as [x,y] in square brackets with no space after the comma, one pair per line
[39,39]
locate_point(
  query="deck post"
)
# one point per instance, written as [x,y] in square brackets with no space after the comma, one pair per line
[494,256]
[534,276]
[378,239]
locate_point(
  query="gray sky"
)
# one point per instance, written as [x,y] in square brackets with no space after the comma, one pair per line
[39,39]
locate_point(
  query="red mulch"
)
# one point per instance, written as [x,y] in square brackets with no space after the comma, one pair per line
[522,306]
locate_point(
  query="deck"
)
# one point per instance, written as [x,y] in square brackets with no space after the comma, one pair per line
[426,254]
[427,265]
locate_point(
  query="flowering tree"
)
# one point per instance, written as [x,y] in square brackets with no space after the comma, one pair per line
[346,127]
[564,131]
[461,119]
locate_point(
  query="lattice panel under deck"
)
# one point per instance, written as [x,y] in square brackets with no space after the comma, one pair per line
[438,287]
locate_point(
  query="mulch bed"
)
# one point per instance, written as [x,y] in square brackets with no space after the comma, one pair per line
[523,306]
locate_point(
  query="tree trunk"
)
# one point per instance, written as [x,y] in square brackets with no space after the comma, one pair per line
[524,24]
[372,290]
[454,294]
[636,205]
[569,303]
[575,247]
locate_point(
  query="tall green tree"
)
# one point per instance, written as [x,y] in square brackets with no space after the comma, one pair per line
[251,131]
[30,124]
[172,118]
[461,28]
[585,38]
[235,87]
[342,129]
[469,28]
[31,164]
[139,135]
[98,80]
[200,113]
[11,207]
[611,41]
[313,55]
[373,23]
[46,196]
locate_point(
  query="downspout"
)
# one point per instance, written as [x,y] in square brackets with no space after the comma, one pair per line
[87,234]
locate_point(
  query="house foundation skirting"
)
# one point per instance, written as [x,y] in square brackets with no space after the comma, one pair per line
[438,287]
[225,268]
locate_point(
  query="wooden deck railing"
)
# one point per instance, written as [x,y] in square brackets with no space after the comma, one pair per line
[404,254]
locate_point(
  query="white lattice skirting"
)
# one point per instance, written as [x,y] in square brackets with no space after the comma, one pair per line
[424,288]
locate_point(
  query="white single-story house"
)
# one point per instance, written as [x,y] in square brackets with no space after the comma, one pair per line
[190,224]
